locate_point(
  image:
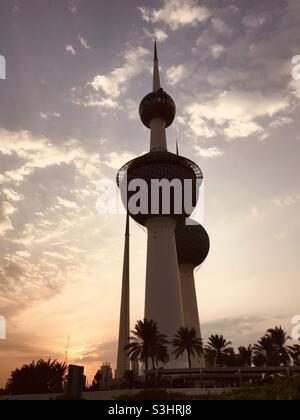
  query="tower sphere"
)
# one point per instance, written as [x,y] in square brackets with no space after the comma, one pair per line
[159,166]
[192,242]
[157,104]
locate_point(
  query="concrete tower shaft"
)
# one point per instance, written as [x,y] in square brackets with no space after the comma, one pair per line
[192,244]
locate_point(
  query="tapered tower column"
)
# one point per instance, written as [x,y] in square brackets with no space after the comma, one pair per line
[192,244]
[123,361]
[189,299]
[190,306]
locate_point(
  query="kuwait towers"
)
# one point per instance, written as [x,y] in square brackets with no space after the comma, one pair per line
[159,190]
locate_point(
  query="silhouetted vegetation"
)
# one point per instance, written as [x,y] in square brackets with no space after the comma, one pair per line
[147,343]
[218,351]
[245,356]
[285,389]
[186,341]
[270,350]
[96,381]
[42,377]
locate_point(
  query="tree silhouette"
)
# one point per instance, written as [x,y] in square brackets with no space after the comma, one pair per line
[160,354]
[264,352]
[295,354]
[37,378]
[245,355]
[279,338]
[272,350]
[218,350]
[146,342]
[186,340]
[96,381]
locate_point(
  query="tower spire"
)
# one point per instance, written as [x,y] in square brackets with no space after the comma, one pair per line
[156,78]
[123,360]
[127,225]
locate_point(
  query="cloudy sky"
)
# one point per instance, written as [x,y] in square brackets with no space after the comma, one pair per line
[76,71]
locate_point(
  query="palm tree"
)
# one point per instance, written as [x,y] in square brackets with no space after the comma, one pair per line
[146,342]
[186,340]
[264,352]
[246,355]
[295,354]
[161,355]
[279,338]
[37,378]
[271,349]
[218,350]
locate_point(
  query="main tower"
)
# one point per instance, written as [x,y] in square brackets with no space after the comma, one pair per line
[159,190]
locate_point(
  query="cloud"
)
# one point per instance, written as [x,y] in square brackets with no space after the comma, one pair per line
[281,121]
[209,152]
[24,283]
[23,254]
[6,209]
[12,195]
[243,330]
[67,203]
[294,87]
[217,50]
[112,84]
[46,115]
[241,129]
[176,13]
[253,21]
[73,6]
[17,175]
[116,160]
[132,108]
[58,256]
[70,49]
[234,112]
[96,101]
[159,34]
[175,74]
[83,42]
[102,351]
[287,201]
[40,152]
[220,26]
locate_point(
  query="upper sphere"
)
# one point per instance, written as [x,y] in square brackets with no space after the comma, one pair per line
[157,104]
[192,242]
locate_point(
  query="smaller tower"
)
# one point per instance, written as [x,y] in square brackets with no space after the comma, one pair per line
[192,244]
[123,361]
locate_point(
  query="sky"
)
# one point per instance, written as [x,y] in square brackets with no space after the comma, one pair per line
[75,74]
